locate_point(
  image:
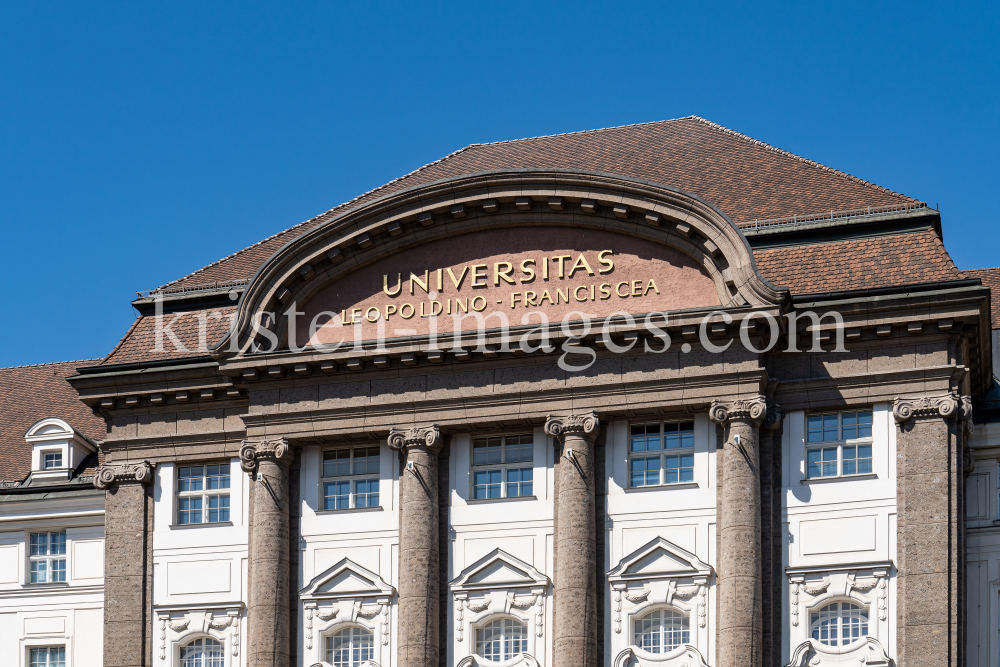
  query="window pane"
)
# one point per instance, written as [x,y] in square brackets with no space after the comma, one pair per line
[501,640]
[48,657]
[849,422]
[337,463]
[53,460]
[865,424]
[486,484]
[336,495]
[39,544]
[645,471]
[39,571]
[519,448]
[218,509]
[645,437]
[202,653]
[829,462]
[189,510]
[217,477]
[829,427]
[678,435]
[190,478]
[486,451]
[518,482]
[366,460]
[57,569]
[850,460]
[661,631]
[366,493]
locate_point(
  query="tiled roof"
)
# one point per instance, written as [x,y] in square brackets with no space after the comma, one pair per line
[140,343]
[747,179]
[31,393]
[852,264]
[991,279]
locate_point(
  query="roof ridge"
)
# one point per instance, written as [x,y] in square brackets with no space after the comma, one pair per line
[985,268]
[46,363]
[566,134]
[813,163]
[316,218]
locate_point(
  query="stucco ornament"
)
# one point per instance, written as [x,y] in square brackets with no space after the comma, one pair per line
[425,436]
[134,473]
[948,406]
[747,409]
[254,451]
[868,652]
[683,656]
[585,425]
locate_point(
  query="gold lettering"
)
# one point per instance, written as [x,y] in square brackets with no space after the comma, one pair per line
[416,279]
[609,265]
[545,295]
[464,307]
[545,268]
[440,273]
[369,312]
[433,312]
[449,306]
[479,310]
[461,277]
[576,293]
[651,286]
[505,274]
[561,259]
[592,296]
[618,289]
[476,277]
[399,284]
[636,288]
[343,317]
[514,298]
[528,270]
[562,293]
[581,264]
[402,310]
[389,310]
[605,291]
[355,315]
[529,298]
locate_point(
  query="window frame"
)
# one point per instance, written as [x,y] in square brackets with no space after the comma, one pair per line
[501,618]
[48,558]
[188,641]
[839,444]
[685,615]
[45,647]
[340,628]
[662,453]
[351,478]
[204,494]
[44,454]
[864,608]
[504,467]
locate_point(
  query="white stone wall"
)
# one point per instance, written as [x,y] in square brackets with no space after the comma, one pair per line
[983,523]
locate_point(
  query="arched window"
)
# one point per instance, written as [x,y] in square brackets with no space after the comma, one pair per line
[661,631]
[839,624]
[501,640]
[202,653]
[350,647]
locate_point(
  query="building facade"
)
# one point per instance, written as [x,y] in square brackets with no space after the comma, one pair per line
[658,395]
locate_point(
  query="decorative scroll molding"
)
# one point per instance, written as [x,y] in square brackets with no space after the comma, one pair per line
[683,656]
[127,473]
[948,406]
[837,583]
[867,652]
[427,436]
[745,409]
[585,425]
[772,416]
[223,624]
[252,452]
[327,615]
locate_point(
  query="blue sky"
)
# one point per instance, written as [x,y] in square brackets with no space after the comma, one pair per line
[140,141]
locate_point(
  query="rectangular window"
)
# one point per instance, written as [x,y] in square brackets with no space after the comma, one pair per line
[661,453]
[49,656]
[47,557]
[203,494]
[350,478]
[499,467]
[839,444]
[52,460]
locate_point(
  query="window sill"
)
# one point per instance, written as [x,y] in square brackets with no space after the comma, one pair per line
[839,478]
[512,499]
[53,585]
[662,487]
[351,510]
[188,526]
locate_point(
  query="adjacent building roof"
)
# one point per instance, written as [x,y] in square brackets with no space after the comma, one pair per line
[991,279]
[32,393]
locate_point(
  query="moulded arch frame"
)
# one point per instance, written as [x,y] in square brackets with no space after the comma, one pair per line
[389,224]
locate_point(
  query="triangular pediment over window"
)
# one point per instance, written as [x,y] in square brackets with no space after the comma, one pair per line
[346,579]
[659,558]
[498,569]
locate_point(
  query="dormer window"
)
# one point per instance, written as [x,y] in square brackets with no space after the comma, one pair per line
[52,460]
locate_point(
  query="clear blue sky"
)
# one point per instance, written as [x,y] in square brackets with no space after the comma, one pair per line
[141,140]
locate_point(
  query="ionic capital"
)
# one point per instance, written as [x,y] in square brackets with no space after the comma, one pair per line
[947,406]
[425,436]
[772,417]
[254,451]
[746,409]
[584,425]
[126,473]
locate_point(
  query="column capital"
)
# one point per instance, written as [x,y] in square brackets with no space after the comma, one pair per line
[126,473]
[253,451]
[749,409]
[772,417]
[584,425]
[946,406]
[421,436]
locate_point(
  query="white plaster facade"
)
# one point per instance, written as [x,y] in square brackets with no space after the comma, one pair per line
[983,548]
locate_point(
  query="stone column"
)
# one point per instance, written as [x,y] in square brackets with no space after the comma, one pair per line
[739,568]
[128,576]
[419,550]
[575,588]
[268,612]
[930,582]
[770,542]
